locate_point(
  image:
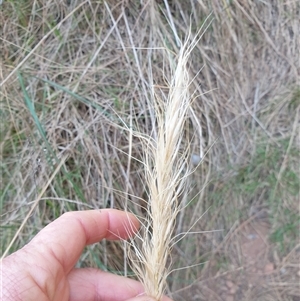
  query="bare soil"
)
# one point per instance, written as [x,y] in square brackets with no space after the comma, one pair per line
[254,270]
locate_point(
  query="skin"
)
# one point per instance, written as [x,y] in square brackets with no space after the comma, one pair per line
[44,269]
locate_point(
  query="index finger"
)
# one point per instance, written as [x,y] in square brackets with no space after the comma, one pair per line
[65,238]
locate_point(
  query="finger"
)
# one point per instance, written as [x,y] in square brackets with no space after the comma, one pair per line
[94,284]
[64,239]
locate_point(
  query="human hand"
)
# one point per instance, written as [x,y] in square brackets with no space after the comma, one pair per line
[44,270]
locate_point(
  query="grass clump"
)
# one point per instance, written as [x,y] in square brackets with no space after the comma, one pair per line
[86,67]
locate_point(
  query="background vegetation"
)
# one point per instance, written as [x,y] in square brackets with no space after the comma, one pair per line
[75,81]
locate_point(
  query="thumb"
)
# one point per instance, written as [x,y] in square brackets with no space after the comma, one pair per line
[147,298]
[141,298]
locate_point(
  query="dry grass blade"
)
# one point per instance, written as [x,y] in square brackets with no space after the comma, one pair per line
[166,171]
[35,203]
[39,44]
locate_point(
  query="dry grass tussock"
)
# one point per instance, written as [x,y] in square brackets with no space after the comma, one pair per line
[76,80]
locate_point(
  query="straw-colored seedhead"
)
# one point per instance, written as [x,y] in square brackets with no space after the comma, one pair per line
[166,170]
